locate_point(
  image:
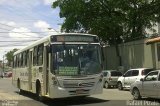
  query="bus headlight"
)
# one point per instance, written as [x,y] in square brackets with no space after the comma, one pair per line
[55,82]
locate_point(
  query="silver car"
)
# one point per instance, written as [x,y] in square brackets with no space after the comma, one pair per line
[111,77]
[149,86]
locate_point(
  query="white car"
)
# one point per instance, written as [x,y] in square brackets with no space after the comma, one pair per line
[131,76]
[110,78]
[147,87]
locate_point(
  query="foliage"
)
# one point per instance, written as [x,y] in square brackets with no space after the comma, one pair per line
[113,20]
[9,56]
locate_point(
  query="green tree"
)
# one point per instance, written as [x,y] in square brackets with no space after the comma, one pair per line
[92,16]
[114,21]
[140,14]
[9,56]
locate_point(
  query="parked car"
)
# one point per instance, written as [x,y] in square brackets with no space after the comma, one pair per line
[147,87]
[131,76]
[111,77]
[8,74]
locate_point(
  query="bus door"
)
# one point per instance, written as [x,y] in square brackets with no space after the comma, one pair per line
[46,70]
[30,70]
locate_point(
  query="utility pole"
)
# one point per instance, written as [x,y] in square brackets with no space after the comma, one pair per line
[3,64]
[3,67]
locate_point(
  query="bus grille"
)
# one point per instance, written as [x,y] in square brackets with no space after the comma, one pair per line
[78,85]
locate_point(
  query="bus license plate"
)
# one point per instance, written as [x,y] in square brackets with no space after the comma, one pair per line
[79,91]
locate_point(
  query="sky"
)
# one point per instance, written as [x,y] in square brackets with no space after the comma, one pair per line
[24,21]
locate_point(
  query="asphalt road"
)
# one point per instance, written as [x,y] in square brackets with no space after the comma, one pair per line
[110,97]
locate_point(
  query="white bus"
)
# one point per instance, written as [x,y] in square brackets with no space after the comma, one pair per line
[58,66]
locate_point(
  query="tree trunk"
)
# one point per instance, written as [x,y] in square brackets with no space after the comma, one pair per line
[118,55]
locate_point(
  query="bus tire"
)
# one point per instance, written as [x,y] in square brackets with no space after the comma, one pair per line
[39,92]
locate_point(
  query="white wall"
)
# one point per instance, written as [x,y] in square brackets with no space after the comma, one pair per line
[134,54]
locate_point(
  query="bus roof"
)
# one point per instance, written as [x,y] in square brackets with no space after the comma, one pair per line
[47,38]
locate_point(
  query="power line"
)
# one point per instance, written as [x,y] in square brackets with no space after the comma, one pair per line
[29,8]
[24,32]
[27,32]
[19,41]
[18,37]
[13,44]
[18,13]
[13,31]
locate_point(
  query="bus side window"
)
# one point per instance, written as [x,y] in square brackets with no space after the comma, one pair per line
[40,54]
[27,58]
[35,56]
[14,62]
[23,58]
[18,60]
[54,61]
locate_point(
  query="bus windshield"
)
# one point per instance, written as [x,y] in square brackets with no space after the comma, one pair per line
[72,60]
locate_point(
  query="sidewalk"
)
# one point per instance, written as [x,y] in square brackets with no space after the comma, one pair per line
[10,78]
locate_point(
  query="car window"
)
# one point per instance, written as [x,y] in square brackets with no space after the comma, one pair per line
[159,78]
[135,72]
[151,76]
[146,71]
[128,73]
[105,74]
[116,73]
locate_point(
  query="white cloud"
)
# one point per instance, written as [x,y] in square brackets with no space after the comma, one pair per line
[11,23]
[16,3]
[22,35]
[48,2]
[59,28]
[2,1]
[42,25]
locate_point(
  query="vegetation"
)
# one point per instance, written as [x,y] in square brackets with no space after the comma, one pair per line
[9,56]
[115,21]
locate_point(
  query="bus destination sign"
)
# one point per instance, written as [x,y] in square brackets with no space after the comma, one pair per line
[74,38]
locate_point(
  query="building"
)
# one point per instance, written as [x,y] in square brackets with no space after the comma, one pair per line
[135,54]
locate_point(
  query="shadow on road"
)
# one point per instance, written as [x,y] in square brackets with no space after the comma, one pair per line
[66,101]
[150,99]
[73,101]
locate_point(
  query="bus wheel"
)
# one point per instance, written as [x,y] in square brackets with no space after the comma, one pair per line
[39,92]
[20,91]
